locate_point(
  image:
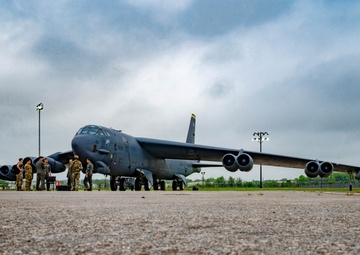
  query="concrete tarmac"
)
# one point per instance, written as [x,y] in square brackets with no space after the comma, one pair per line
[180,222]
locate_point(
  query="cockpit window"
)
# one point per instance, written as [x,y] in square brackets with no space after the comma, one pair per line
[92,130]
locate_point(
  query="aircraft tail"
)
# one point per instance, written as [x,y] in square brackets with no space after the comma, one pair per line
[191,132]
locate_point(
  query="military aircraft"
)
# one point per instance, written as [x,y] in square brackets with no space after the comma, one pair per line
[152,161]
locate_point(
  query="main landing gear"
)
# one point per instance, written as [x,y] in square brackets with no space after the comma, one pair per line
[159,184]
[176,184]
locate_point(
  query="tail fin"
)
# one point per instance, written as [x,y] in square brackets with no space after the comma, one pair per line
[191,132]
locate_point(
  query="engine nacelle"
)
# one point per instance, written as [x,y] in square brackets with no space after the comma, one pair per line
[56,166]
[7,173]
[325,169]
[312,169]
[229,162]
[244,162]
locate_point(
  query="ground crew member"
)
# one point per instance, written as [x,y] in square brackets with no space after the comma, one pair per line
[28,175]
[88,175]
[69,174]
[40,174]
[47,169]
[75,170]
[19,174]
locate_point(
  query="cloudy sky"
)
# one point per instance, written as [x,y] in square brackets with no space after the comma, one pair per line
[290,68]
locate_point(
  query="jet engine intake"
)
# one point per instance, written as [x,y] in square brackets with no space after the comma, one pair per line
[315,168]
[7,173]
[244,162]
[229,162]
[312,169]
[326,169]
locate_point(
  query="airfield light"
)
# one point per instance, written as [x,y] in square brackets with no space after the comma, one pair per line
[260,137]
[203,178]
[39,108]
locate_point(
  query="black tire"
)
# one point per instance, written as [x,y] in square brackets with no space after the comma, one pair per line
[122,184]
[162,185]
[146,186]
[113,185]
[174,185]
[137,184]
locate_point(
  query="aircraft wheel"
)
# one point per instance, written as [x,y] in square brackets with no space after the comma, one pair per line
[162,185]
[122,186]
[174,185]
[181,186]
[137,184]
[113,185]
[146,186]
[156,185]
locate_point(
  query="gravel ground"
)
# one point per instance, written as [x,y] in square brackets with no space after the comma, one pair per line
[180,222]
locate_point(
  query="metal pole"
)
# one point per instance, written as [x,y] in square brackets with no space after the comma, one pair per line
[259,136]
[261,184]
[39,132]
[39,108]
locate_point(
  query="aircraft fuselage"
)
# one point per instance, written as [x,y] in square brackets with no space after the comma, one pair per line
[118,154]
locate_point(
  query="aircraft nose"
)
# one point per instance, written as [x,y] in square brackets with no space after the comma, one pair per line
[82,144]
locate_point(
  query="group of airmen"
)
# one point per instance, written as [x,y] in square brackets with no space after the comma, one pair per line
[75,166]
[43,172]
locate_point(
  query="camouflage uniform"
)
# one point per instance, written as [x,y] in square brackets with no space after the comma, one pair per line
[28,176]
[47,168]
[20,175]
[75,170]
[88,176]
[40,175]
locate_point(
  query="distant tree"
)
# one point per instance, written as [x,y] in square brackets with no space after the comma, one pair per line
[220,181]
[238,182]
[231,181]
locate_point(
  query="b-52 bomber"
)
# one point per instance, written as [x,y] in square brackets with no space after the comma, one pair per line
[152,161]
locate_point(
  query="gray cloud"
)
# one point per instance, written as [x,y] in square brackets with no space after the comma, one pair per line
[287,68]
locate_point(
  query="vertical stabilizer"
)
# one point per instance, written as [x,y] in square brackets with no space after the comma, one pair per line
[191,132]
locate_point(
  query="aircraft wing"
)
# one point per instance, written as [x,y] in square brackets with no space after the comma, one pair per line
[57,162]
[177,150]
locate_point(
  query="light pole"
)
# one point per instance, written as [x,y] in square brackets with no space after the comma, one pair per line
[39,108]
[260,137]
[203,179]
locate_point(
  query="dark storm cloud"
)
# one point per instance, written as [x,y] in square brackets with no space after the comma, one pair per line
[289,68]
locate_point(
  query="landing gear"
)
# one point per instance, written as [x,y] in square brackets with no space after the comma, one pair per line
[122,184]
[176,184]
[158,183]
[113,185]
[351,175]
[139,182]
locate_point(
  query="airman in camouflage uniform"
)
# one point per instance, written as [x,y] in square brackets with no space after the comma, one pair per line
[40,174]
[28,175]
[47,169]
[19,174]
[75,170]
[88,175]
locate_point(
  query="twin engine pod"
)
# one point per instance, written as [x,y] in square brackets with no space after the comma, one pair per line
[242,162]
[315,168]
